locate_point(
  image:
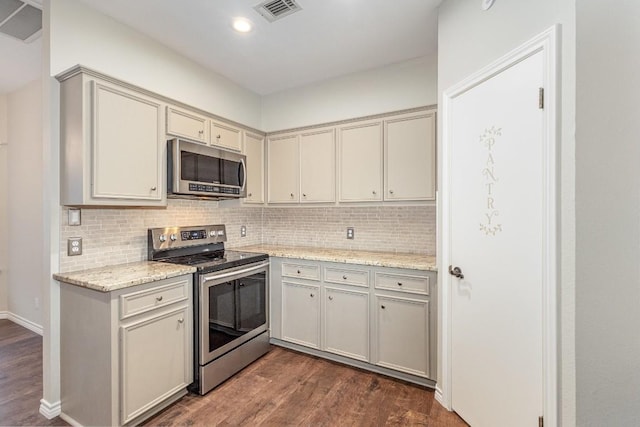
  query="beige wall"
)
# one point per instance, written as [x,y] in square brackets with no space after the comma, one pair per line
[608,213]
[469,39]
[4,204]
[25,202]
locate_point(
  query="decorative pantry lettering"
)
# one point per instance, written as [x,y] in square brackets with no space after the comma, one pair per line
[489,224]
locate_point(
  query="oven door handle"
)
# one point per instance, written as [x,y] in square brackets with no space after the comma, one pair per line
[235,273]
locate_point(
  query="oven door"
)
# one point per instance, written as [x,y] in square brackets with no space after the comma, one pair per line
[233,308]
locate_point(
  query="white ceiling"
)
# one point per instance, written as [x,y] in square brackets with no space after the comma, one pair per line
[327,38]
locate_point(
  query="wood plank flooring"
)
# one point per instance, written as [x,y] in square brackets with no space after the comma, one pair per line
[283,388]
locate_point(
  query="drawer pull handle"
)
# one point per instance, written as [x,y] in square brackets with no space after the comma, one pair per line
[298,271]
[344,277]
[330,298]
[399,283]
[159,298]
[382,307]
[180,320]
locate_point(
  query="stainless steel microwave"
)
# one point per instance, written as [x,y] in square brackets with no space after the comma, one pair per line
[199,170]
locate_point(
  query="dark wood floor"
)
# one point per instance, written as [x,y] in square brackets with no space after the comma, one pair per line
[283,388]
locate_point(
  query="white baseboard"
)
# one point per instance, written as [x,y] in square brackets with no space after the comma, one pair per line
[50,410]
[34,327]
[70,420]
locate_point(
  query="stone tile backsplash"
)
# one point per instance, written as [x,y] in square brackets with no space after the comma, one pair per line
[115,236]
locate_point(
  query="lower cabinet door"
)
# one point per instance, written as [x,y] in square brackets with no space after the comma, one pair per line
[301,314]
[403,334]
[346,323]
[154,361]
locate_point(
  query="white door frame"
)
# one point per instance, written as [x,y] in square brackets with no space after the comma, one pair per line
[547,43]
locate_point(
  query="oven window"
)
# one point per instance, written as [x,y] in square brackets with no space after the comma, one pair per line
[235,308]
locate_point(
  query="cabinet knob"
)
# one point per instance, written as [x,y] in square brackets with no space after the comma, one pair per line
[304,195]
[382,307]
[200,131]
[291,195]
[298,271]
[374,192]
[218,137]
[159,298]
[330,298]
[344,277]
[399,283]
[312,295]
[153,188]
[390,191]
[250,194]
[180,320]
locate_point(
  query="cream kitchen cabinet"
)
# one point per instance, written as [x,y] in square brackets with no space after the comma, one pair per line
[346,322]
[254,150]
[125,354]
[113,145]
[283,169]
[226,136]
[360,161]
[318,166]
[187,124]
[301,313]
[410,157]
[375,318]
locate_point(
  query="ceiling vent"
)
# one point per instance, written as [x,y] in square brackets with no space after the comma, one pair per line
[20,20]
[272,10]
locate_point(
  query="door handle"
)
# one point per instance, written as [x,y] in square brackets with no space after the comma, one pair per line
[456,271]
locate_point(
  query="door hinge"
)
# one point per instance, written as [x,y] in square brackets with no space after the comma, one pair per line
[541,98]
[540,421]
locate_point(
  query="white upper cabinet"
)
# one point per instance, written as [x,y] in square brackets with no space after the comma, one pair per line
[360,160]
[318,166]
[254,150]
[113,148]
[226,136]
[187,124]
[283,169]
[410,157]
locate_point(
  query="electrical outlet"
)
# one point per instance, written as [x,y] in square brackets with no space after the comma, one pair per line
[243,231]
[74,246]
[350,233]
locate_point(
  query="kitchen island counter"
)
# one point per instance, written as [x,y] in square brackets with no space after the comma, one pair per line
[381,259]
[111,278]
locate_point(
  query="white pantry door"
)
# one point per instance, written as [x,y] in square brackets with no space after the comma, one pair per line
[497,197]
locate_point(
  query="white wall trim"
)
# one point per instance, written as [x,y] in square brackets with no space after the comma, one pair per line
[50,410]
[547,43]
[70,420]
[34,327]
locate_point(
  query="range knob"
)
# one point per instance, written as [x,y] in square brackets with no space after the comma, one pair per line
[212,233]
[163,238]
[173,237]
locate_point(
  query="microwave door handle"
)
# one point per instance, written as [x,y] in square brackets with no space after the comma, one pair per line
[242,174]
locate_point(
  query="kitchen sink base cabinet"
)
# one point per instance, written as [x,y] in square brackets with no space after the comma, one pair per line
[375,318]
[125,354]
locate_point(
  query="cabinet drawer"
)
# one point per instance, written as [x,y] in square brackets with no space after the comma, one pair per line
[150,299]
[346,276]
[402,282]
[311,272]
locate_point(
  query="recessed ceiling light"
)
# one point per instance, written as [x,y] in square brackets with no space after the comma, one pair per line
[242,25]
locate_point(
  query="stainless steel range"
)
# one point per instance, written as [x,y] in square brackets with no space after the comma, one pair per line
[230,299]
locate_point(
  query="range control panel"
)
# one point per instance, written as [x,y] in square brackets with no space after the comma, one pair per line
[182,237]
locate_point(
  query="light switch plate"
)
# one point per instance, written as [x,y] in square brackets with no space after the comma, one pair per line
[74,246]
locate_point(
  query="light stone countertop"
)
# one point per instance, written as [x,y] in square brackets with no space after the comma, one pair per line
[382,259]
[111,278]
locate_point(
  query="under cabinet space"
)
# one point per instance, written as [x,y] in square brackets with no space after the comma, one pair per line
[226,136]
[346,323]
[402,336]
[402,283]
[301,314]
[301,271]
[346,276]
[187,124]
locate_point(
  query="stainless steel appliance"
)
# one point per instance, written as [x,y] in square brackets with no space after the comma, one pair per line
[199,170]
[231,294]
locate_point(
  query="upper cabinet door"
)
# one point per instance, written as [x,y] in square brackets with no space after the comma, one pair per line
[360,153]
[254,150]
[127,139]
[226,136]
[283,169]
[318,166]
[187,124]
[410,157]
